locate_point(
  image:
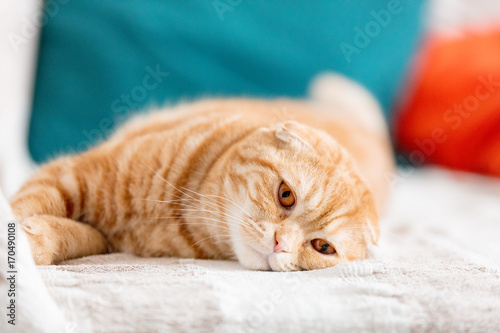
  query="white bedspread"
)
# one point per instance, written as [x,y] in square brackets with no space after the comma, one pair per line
[437,270]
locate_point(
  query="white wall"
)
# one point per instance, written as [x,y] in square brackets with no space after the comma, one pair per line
[451,17]
[18,49]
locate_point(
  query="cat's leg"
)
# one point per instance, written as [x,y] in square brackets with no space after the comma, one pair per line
[48,207]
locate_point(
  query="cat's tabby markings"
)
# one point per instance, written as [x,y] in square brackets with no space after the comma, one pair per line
[228,179]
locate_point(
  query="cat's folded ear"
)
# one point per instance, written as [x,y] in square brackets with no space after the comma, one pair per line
[291,132]
[287,131]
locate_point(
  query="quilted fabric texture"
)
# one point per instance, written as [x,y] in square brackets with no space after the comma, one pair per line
[437,270]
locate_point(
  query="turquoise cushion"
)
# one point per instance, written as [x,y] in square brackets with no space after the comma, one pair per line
[99,61]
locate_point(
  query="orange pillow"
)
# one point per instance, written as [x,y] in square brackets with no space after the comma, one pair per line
[451,116]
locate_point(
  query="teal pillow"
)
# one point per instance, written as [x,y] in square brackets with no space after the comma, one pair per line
[99,61]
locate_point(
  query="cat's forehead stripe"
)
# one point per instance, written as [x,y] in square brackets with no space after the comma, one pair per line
[246,160]
[336,221]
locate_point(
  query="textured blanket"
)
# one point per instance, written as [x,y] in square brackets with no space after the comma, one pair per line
[437,269]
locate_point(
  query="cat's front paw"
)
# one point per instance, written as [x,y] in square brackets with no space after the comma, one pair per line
[41,246]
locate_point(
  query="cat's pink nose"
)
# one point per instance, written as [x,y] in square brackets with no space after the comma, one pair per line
[280,245]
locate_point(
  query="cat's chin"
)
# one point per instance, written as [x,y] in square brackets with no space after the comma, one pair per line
[282,262]
[253,259]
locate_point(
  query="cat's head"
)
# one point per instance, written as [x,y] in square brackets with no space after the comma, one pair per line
[299,202]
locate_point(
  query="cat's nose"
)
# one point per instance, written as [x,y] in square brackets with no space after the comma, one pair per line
[280,245]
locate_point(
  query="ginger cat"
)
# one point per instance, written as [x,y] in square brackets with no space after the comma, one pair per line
[275,184]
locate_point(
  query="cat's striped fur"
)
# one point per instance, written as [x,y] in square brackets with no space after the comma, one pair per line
[201,180]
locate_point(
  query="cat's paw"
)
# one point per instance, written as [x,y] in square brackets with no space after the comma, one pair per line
[41,246]
[38,241]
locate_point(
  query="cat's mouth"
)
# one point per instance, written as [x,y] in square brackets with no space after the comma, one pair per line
[253,258]
[271,261]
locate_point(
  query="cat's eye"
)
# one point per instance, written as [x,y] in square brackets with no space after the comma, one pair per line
[286,196]
[322,246]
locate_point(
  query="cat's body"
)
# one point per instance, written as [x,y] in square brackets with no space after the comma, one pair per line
[206,180]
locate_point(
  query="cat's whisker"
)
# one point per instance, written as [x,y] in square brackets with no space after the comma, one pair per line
[195,208]
[212,212]
[211,204]
[260,241]
[179,190]
[204,195]
[220,241]
[203,239]
[196,217]
[232,202]
[251,223]
[190,223]
[202,209]
[212,196]
[255,226]
[243,237]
